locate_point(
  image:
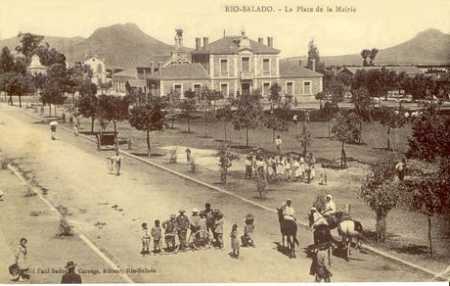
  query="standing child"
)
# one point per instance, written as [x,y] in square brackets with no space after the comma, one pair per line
[117,160]
[145,240]
[234,241]
[53,124]
[218,229]
[156,235]
[248,167]
[249,228]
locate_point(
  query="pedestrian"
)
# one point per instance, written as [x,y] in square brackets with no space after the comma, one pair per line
[234,241]
[53,124]
[194,227]
[278,143]
[319,267]
[295,119]
[249,228]
[203,234]
[117,162]
[76,125]
[145,240]
[208,213]
[400,168]
[71,277]
[1,195]
[156,235]
[182,225]
[188,155]
[248,167]
[21,261]
[218,228]
[170,231]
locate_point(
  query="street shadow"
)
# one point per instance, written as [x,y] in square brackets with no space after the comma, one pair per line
[142,154]
[281,249]
[413,249]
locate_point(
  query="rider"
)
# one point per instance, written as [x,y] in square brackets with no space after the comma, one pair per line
[319,219]
[330,206]
[288,210]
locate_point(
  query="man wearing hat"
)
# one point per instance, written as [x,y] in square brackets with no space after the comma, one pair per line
[71,277]
[170,230]
[208,213]
[195,224]
[182,225]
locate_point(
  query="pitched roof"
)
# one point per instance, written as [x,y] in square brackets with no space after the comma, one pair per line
[293,69]
[182,71]
[409,70]
[230,45]
[128,73]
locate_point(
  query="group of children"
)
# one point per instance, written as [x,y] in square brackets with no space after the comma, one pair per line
[200,226]
[280,168]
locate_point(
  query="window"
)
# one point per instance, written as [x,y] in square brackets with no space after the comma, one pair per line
[197,88]
[246,64]
[266,89]
[266,66]
[224,89]
[178,89]
[290,88]
[307,87]
[223,67]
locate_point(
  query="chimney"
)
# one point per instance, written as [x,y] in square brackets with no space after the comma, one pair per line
[261,41]
[205,41]
[300,63]
[270,42]
[313,64]
[198,43]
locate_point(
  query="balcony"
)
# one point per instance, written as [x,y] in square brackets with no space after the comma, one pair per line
[246,75]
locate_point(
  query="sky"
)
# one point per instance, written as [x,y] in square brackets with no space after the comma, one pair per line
[374,24]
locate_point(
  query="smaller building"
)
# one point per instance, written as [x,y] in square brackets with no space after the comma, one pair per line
[36,67]
[120,79]
[98,69]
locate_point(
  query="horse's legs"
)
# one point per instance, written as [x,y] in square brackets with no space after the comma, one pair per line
[293,247]
[329,256]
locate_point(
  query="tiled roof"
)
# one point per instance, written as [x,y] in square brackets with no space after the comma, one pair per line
[128,73]
[230,45]
[182,71]
[293,69]
[409,70]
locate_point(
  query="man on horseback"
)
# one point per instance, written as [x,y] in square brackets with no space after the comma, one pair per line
[319,225]
[330,206]
[288,211]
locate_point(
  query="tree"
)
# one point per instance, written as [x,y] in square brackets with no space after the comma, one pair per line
[208,98]
[171,107]
[225,114]
[363,106]
[372,56]
[28,44]
[188,107]
[20,85]
[248,113]
[313,56]
[381,193]
[112,109]
[277,119]
[365,54]
[391,119]
[346,131]
[305,138]
[55,87]
[87,102]
[6,61]
[330,109]
[225,162]
[147,118]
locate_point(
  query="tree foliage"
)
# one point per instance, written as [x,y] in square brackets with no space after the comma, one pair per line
[248,113]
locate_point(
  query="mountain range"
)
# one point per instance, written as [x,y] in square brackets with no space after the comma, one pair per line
[127,46]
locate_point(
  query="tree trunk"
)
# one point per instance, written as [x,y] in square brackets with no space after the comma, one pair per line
[11,100]
[389,138]
[343,156]
[246,137]
[329,128]
[225,131]
[116,141]
[189,124]
[429,236]
[360,132]
[149,150]
[273,135]
[20,101]
[92,124]
[49,110]
[381,226]
[206,126]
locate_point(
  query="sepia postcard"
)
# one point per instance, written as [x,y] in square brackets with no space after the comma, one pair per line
[218,141]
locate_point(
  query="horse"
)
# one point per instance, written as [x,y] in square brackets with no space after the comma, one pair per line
[288,229]
[348,229]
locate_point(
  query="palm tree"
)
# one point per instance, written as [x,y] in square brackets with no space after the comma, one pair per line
[365,54]
[373,55]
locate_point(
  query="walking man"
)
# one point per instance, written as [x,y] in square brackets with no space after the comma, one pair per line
[21,261]
[53,124]
[71,277]
[278,143]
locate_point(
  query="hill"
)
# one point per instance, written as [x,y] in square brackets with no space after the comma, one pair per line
[430,47]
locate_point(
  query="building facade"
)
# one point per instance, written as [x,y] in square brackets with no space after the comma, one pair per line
[98,69]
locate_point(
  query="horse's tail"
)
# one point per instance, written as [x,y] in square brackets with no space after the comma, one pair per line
[358,227]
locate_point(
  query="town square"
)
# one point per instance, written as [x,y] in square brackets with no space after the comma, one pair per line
[140,149]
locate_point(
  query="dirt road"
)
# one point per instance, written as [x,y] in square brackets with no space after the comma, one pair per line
[109,209]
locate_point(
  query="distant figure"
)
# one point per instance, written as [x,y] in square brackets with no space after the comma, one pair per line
[156,235]
[234,241]
[1,195]
[218,229]
[295,119]
[188,155]
[76,125]
[53,124]
[116,163]
[288,210]
[145,239]
[71,277]
[248,167]
[170,228]
[249,228]
[182,226]
[400,168]
[21,261]
[278,143]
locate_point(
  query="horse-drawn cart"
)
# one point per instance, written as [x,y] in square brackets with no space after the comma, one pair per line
[105,138]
